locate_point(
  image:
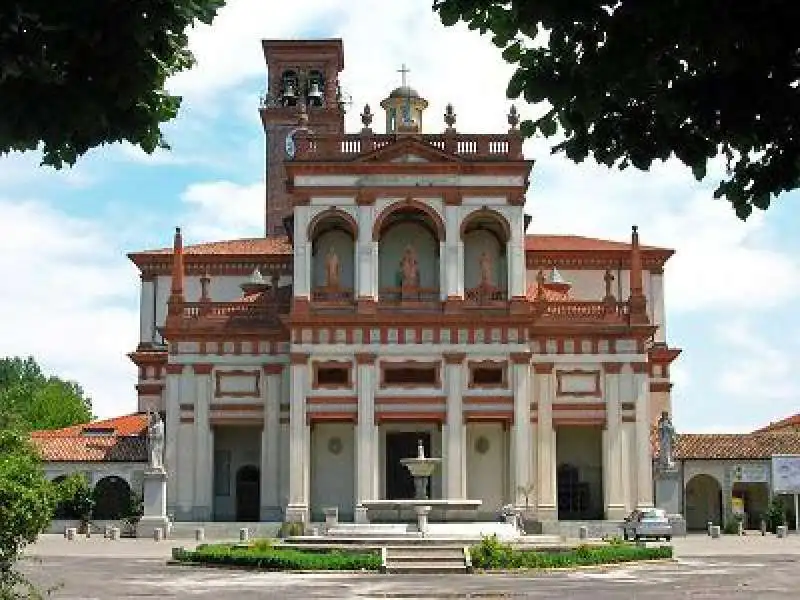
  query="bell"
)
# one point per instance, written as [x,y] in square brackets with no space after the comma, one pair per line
[289,96]
[315,94]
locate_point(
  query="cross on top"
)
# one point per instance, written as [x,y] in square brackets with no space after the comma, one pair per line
[403,70]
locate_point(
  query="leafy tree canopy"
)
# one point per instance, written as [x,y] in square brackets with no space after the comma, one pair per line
[631,82]
[75,75]
[30,400]
[27,501]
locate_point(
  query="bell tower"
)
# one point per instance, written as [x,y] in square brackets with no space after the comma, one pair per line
[302,77]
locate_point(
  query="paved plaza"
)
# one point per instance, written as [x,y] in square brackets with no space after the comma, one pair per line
[731,567]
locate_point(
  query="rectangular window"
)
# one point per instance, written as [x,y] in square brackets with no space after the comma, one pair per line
[333,377]
[411,375]
[487,374]
[222,473]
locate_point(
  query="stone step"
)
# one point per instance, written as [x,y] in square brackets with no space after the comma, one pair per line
[442,554]
[425,559]
[425,568]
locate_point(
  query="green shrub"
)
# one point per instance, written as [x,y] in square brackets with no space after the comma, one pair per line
[289,529]
[263,544]
[491,554]
[731,527]
[266,556]
[776,515]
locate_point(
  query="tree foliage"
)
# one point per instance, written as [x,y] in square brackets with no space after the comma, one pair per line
[79,74]
[27,501]
[30,400]
[630,82]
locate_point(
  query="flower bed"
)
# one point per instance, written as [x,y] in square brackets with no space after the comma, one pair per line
[491,554]
[262,555]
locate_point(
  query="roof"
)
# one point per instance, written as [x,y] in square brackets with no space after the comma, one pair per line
[577,243]
[787,425]
[280,245]
[121,439]
[404,91]
[735,446]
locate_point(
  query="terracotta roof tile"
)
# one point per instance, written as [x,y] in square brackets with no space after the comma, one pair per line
[731,446]
[572,243]
[278,245]
[789,424]
[121,439]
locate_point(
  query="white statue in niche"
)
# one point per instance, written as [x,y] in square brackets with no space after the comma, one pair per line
[155,440]
[332,269]
[485,265]
[409,268]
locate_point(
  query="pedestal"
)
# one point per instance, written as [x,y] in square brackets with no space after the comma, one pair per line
[668,498]
[155,504]
[297,513]
[422,518]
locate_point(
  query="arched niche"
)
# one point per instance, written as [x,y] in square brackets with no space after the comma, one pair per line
[333,234]
[703,502]
[408,235]
[112,497]
[485,234]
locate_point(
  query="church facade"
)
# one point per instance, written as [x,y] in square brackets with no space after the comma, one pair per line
[396,298]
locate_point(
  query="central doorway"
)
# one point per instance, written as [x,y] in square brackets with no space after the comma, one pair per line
[248,494]
[403,444]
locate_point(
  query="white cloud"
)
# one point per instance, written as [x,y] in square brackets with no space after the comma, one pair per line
[220,210]
[72,304]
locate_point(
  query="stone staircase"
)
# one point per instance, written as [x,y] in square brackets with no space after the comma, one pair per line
[420,559]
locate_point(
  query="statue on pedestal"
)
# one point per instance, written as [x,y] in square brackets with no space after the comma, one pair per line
[409,268]
[155,441]
[666,438]
[332,269]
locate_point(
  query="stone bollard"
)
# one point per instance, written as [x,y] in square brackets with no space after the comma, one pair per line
[106,531]
[331,517]
[113,533]
[422,518]
[709,525]
[158,534]
[244,534]
[715,531]
[763,527]
[70,533]
[199,534]
[781,531]
[583,532]
[739,528]
[88,531]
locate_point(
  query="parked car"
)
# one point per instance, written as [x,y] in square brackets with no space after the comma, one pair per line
[648,523]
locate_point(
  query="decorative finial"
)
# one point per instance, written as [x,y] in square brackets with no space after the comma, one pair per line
[366,116]
[449,116]
[420,449]
[513,117]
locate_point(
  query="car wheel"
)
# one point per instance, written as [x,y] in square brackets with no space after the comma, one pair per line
[636,538]
[668,538]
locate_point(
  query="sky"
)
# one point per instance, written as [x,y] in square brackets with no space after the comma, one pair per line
[70,296]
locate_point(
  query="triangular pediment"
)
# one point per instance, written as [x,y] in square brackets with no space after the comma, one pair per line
[409,149]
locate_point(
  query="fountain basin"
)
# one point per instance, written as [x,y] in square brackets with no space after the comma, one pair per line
[421,467]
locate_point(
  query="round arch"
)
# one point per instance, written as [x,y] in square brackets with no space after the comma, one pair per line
[703,501]
[112,497]
[488,219]
[409,205]
[330,219]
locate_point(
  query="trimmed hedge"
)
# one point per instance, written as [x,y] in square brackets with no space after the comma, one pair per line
[491,554]
[264,556]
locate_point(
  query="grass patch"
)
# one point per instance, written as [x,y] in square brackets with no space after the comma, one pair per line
[491,554]
[263,555]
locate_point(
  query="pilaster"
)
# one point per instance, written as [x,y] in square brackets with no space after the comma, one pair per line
[454,473]
[147,308]
[203,444]
[366,271]
[270,444]
[612,444]
[453,255]
[644,458]
[516,253]
[173,396]
[521,429]
[656,305]
[544,380]
[366,432]
[299,438]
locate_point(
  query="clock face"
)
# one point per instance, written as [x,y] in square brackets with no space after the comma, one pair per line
[289,145]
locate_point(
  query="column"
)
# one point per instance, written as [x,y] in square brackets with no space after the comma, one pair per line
[546,442]
[521,429]
[185,451]
[299,467]
[366,255]
[453,473]
[203,445]
[644,457]
[516,253]
[614,492]
[147,307]
[366,433]
[173,400]
[656,305]
[452,254]
[270,444]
